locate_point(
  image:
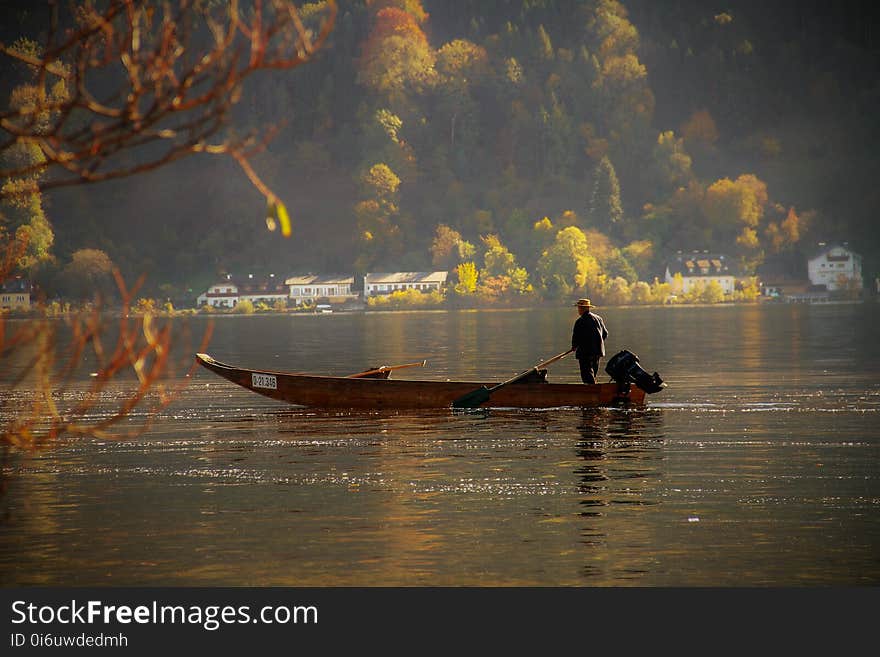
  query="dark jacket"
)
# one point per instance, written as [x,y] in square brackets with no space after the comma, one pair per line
[588,336]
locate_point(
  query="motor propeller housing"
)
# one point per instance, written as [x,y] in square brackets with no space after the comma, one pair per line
[624,367]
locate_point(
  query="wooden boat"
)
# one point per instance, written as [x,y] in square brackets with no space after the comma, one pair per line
[386,393]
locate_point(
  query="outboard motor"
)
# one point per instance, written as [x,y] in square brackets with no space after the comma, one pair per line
[624,367]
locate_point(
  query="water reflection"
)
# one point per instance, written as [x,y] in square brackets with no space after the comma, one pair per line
[744,471]
[620,449]
[620,455]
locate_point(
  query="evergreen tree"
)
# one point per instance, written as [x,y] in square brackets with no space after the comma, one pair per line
[605,210]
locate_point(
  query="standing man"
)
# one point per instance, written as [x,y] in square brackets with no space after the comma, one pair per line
[588,340]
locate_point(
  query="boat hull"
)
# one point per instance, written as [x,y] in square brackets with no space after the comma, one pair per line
[378,394]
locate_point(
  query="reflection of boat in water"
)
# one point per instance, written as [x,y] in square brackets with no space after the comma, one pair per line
[377,393]
[620,452]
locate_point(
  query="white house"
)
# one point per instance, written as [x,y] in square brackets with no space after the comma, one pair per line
[311,287]
[15,293]
[403,280]
[220,295]
[835,267]
[699,268]
[228,293]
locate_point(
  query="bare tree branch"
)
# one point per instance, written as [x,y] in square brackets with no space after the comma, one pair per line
[174,72]
[35,406]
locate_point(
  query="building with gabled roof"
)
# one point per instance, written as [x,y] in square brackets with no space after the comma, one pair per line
[267,290]
[699,268]
[223,294]
[15,293]
[835,267]
[229,292]
[308,288]
[386,283]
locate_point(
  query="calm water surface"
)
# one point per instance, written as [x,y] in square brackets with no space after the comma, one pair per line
[757,466]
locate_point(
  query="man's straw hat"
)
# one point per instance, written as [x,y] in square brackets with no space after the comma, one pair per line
[584,303]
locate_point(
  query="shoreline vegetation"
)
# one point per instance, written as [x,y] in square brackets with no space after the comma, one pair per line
[408,300]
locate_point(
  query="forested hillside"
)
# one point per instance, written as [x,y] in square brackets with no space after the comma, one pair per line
[546,145]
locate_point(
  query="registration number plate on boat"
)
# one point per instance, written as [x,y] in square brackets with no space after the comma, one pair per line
[264,381]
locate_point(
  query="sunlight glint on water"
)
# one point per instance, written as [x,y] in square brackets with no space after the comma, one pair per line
[756,466]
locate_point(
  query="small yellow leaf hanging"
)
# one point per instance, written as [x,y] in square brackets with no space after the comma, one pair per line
[283,218]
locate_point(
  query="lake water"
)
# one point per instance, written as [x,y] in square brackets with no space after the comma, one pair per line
[759,465]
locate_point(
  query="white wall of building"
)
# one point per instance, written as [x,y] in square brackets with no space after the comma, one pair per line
[219,295]
[387,283]
[688,283]
[830,267]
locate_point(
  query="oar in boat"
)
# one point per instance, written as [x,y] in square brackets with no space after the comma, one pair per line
[386,368]
[481,395]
